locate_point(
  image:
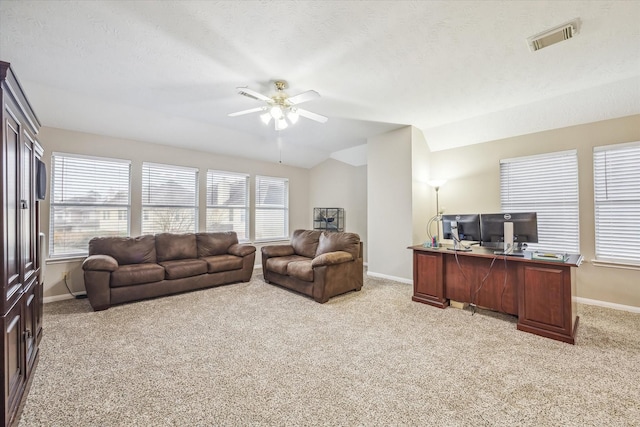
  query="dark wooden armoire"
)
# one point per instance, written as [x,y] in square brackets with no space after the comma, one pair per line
[21,304]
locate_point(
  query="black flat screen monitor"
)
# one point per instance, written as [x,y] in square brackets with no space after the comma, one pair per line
[468,226]
[525,228]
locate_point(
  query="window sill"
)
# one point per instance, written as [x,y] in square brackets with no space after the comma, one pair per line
[615,264]
[279,240]
[64,260]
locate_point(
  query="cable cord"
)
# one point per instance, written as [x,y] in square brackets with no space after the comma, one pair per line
[482,282]
[77,296]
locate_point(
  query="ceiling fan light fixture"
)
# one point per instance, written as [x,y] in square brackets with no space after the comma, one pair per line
[281,124]
[266,118]
[276,112]
[293,116]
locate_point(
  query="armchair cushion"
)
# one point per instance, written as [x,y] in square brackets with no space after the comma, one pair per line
[226,262]
[100,263]
[331,258]
[305,242]
[133,274]
[302,270]
[217,243]
[181,268]
[279,264]
[241,250]
[278,250]
[331,242]
[171,246]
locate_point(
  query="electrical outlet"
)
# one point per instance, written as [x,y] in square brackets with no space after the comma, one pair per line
[65,275]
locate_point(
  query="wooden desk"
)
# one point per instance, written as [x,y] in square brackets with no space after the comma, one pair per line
[540,293]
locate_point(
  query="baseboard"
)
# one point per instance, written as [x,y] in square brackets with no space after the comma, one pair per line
[56,298]
[606,304]
[386,276]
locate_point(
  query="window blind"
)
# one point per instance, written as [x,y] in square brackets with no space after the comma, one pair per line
[548,185]
[272,208]
[228,203]
[169,199]
[616,173]
[90,197]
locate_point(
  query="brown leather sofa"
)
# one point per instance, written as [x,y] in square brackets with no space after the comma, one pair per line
[124,269]
[319,264]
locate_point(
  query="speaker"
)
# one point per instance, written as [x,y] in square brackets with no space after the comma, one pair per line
[41,180]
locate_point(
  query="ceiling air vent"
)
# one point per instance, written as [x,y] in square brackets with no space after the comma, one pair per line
[553,36]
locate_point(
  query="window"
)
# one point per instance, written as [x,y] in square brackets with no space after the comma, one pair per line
[546,184]
[169,199]
[272,208]
[228,203]
[89,197]
[616,173]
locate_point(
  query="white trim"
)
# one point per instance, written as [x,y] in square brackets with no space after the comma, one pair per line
[606,304]
[540,156]
[56,298]
[615,264]
[386,276]
[616,146]
[83,156]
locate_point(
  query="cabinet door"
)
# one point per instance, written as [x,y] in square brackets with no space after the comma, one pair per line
[27,209]
[14,378]
[428,285]
[12,283]
[30,324]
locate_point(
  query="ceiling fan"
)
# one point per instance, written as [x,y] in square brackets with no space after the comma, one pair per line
[280,107]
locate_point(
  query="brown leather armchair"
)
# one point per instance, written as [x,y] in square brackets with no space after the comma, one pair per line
[319,264]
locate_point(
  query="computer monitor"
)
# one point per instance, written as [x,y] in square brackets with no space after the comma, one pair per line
[525,229]
[468,227]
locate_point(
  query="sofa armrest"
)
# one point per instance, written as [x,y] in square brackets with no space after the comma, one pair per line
[241,250]
[100,263]
[277,250]
[331,258]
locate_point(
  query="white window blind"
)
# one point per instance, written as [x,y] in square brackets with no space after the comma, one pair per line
[548,185]
[272,208]
[616,172]
[90,197]
[169,199]
[228,203]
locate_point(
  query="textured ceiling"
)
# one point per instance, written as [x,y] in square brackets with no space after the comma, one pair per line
[460,71]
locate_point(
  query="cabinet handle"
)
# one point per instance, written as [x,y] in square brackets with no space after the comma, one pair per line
[24,204]
[27,333]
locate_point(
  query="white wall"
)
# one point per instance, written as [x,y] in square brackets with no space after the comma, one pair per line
[59,140]
[334,184]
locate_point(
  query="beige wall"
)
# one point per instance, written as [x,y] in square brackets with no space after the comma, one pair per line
[474,186]
[389,210]
[59,140]
[334,184]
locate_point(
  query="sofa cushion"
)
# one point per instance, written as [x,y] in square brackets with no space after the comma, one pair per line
[215,243]
[301,270]
[219,263]
[178,269]
[305,242]
[331,242]
[133,274]
[171,246]
[125,250]
[279,264]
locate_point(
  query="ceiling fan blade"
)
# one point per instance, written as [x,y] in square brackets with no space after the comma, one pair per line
[312,116]
[249,111]
[245,91]
[303,97]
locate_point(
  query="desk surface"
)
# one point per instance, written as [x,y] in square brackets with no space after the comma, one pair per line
[573,260]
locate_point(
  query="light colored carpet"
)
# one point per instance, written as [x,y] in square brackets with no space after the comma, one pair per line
[255,354]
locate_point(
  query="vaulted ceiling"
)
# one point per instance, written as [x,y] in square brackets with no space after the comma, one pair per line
[461,71]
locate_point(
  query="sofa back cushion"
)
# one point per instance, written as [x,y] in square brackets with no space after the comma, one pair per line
[210,244]
[305,242]
[126,250]
[331,242]
[171,246]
